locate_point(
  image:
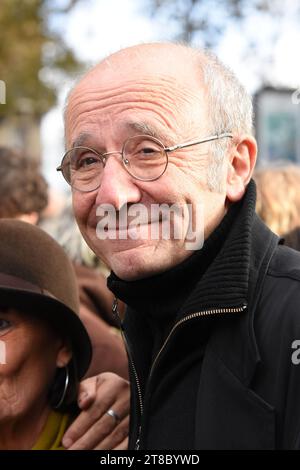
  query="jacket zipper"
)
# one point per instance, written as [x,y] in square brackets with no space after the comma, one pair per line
[137,382]
[204,313]
[191,316]
[139,392]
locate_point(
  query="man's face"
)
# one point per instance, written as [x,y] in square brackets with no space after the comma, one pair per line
[109,107]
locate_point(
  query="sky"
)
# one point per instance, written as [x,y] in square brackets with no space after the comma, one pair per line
[96,28]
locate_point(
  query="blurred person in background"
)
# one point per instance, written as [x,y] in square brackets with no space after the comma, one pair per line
[24,196]
[23,190]
[278,201]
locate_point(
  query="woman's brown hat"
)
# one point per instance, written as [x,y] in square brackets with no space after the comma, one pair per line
[36,275]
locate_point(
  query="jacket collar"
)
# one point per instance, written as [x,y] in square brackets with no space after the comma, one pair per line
[234,341]
[225,282]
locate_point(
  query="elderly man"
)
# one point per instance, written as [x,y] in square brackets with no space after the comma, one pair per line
[210,330]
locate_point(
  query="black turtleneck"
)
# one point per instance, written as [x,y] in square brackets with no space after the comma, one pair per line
[155,303]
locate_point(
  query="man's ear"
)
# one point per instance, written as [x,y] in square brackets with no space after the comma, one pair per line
[240,167]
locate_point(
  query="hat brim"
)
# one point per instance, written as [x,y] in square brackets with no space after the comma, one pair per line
[65,320]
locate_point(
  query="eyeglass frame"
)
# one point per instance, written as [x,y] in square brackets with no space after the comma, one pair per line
[165,149]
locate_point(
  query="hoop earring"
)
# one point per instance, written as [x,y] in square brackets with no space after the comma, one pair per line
[64,391]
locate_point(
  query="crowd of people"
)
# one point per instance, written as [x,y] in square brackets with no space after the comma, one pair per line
[193,334]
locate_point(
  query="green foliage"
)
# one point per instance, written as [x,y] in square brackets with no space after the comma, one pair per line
[24,38]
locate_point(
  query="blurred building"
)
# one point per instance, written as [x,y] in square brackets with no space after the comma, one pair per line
[277,125]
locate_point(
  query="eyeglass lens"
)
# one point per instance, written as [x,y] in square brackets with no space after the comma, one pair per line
[143,157]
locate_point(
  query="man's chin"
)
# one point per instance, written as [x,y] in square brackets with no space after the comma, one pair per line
[141,262]
[137,259]
[130,265]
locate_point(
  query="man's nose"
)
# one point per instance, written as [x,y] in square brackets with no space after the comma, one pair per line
[117,186]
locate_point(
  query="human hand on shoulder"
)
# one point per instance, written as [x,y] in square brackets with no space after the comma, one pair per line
[103,423]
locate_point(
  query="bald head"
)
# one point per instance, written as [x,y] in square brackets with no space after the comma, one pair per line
[147,59]
[230,107]
[153,66]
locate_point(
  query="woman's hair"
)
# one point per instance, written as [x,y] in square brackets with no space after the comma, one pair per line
[278,197]
[23,189]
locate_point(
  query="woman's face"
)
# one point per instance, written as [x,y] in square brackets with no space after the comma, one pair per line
[31,352]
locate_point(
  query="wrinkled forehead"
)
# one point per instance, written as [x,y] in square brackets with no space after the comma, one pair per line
[169,82]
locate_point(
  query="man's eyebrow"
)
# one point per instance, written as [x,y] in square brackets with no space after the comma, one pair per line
[140,127]
[81,139]
[146,129]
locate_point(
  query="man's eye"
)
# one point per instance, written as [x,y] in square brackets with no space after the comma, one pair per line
[4,325]
[86,161]
[148,151]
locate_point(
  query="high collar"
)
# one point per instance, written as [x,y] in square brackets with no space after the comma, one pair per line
[225,283]
[215,276]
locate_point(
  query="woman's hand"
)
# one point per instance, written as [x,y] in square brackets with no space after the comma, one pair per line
[94,428]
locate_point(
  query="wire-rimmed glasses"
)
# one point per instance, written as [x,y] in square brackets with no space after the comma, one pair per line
[144,157]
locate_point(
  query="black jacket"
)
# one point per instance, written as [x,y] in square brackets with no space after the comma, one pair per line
[248,394]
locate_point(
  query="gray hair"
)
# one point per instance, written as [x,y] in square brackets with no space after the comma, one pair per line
[230,108]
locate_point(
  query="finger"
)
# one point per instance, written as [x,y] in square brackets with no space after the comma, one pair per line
[122,446]
[109,389]
[95,434]
[87,392]
[95,388]
[90,419]
[102,401]
[118,435]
